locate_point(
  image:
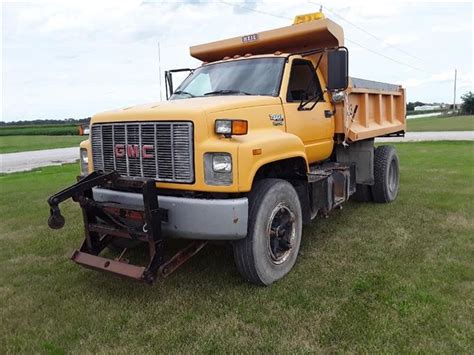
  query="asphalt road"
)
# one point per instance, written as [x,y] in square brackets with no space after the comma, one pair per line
[13,162]
[431,136]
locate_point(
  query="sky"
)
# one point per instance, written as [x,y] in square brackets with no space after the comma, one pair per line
[75,58]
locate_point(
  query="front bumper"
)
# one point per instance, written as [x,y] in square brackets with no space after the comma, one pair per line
[191,218]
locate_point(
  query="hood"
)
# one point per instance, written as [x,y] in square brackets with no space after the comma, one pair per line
[185,108]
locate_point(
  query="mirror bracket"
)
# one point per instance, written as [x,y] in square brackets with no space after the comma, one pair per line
[169,80]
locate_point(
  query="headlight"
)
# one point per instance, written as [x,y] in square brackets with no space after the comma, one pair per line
[218,169]
[84,161]
[221,163]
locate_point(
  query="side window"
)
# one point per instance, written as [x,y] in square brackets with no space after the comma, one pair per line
[304,82]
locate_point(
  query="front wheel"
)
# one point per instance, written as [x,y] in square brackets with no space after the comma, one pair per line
[274,234]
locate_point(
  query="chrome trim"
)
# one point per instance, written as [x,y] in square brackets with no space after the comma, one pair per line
[102,145]
[113,140]
[172,142]
[126,147]
[140,151]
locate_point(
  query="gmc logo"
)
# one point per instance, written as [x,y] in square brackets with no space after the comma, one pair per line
[133,151]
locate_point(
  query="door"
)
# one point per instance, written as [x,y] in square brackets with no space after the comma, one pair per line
[314,126]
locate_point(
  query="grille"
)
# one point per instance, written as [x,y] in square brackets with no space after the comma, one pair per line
[159,150]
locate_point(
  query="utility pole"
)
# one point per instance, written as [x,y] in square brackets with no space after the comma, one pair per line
[159,69]
[454,101]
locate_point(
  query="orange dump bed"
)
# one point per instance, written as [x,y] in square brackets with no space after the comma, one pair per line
[371,109]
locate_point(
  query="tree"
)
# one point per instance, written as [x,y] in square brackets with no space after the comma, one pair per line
[467,105]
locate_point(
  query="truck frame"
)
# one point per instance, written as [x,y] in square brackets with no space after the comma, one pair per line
[267,134]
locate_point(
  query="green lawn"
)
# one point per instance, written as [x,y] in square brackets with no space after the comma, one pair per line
[11,144]
[393,278]
[445,123]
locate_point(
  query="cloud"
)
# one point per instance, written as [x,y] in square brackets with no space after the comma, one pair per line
[97,55]
[463,79]
[243,7]
[453,27]
[398,39]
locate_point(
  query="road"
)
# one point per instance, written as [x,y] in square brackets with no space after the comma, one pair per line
[13,162]
[431,136]
[433,114]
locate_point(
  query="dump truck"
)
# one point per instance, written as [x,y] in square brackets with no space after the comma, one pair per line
[267,134]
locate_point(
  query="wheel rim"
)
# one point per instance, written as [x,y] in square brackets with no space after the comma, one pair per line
[393,177]
[281,232]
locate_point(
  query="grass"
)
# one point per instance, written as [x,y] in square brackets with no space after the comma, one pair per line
[438,123]
[34,130]
[11,144]
[370,278]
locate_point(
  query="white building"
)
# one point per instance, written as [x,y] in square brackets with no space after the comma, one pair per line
[427,108]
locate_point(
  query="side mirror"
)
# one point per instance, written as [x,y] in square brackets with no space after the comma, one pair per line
[338,70]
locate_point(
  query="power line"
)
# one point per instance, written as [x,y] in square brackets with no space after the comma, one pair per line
[385,56]
[367,32]
[346,38]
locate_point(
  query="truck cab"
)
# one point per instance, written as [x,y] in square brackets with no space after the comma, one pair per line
[265,135]
[292,79]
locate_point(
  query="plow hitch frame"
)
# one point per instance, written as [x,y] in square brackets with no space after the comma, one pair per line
[106,221]
[56,219]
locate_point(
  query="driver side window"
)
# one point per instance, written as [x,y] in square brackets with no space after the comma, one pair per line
[304,83]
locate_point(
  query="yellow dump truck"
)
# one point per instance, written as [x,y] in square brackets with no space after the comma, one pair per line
[265,135]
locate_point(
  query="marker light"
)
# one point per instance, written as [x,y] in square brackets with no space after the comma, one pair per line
[308,18]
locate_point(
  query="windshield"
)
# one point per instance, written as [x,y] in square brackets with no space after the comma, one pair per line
[259,76]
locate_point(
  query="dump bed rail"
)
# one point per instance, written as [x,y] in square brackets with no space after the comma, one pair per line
[371,109]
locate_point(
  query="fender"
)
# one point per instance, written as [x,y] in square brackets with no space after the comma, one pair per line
[264,146]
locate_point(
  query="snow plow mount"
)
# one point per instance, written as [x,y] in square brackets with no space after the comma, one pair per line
[103,222]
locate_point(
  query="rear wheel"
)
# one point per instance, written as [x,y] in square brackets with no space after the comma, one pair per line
[386,174]
[274,234]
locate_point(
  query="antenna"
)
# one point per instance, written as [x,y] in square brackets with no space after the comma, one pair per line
[455,78]
[159,70]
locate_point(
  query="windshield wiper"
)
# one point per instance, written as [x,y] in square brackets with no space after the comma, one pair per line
[181,92]
[226,92]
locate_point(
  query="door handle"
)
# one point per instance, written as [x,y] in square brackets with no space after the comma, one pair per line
[328,113]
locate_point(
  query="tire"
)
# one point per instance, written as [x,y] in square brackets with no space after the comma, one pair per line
[386,174]
[274,233]
[363,193]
